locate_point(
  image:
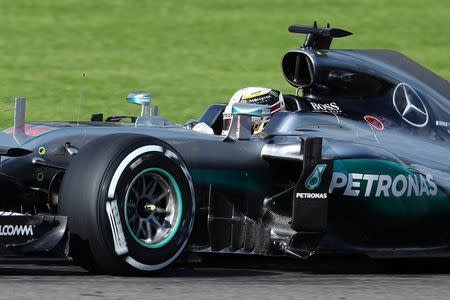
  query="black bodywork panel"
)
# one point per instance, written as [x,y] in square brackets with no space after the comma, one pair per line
[359,164]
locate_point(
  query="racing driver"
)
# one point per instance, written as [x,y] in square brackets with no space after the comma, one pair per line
[250,95]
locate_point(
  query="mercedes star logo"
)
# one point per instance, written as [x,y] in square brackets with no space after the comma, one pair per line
[410,106]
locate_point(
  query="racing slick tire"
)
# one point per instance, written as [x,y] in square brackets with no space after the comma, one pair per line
[130,204]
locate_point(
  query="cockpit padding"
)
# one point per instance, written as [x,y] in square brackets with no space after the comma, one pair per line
[212,116]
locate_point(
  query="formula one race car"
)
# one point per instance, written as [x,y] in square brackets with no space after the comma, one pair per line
[357,163]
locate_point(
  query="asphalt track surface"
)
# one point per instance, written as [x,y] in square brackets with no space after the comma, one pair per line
[241,278]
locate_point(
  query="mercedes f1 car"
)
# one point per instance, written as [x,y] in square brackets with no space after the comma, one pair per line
[357,163]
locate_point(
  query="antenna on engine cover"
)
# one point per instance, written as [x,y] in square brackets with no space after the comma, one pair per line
[80,100]
[318,37]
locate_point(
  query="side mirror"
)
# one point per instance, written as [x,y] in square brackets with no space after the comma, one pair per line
[141,98]
[241,122]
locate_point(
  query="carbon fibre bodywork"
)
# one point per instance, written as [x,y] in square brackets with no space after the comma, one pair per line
[362,165]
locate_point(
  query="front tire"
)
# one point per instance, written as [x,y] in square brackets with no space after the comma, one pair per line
[130,203]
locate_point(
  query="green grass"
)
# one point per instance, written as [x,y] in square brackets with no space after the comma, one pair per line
[186,53]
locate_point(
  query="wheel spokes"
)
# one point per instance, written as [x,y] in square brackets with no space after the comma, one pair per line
[161,211]
[138,227]
[161,196]
[155,221]
[135,194]
[149,231]
[133,218]
[144,186]
[150,188]
[151,208]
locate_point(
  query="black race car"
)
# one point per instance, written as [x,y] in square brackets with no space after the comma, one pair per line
[358,163]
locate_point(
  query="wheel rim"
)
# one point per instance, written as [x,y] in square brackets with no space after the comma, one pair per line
[153,207]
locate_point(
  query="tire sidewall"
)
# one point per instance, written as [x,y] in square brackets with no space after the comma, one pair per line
[144,155]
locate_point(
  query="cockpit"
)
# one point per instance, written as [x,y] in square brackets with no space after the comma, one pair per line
[213,114]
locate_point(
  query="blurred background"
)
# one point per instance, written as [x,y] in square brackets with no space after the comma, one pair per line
[71,58]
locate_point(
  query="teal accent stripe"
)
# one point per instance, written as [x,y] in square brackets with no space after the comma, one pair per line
[234,179]
[32,138]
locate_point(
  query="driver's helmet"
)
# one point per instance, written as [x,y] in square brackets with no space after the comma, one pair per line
[254,95]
